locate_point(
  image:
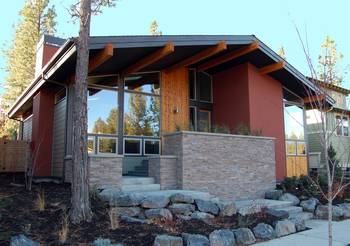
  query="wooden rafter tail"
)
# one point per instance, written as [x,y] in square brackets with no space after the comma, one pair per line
[101,57]
[272,68]
[149,59]
[219,47]
[315,98]
[230,56]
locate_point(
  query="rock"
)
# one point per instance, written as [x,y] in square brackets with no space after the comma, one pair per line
[299,224]
[273,194]
[227,208]
[244,236]
[109,194]
[264,231]
[284,227]
[249,209]
[195,240]
[207,206]
[129,211]
[346,209]
[158,213]
[322,212]
[166,240]
[290,198]
[126,200]
[183,217]
[222,237]
[129,219]
[278,214]
[22,240]
[104,242]
[309,205]
[182,208]
[155,201]
[181,198]
[201,216]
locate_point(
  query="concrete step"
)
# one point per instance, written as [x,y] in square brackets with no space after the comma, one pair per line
[147,187]
[292,210]
[138,173]
[132,180]
[302,215]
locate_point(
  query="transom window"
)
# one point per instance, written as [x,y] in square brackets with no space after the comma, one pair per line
[342,125]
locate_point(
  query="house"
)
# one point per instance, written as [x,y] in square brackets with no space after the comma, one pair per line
[336,124]
[153,104]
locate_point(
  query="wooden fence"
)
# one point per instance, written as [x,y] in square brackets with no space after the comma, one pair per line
[14,154]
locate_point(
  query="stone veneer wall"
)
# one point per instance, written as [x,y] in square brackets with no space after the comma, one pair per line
[104,171]
[228,166]
[164,170]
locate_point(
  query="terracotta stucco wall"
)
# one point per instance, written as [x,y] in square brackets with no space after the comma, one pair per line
[42,127]
[243,95]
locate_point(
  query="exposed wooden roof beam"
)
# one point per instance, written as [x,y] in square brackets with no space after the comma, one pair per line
[230,56]
[272,68]
[221,46]
[101,57]
[315,99]
[150,59]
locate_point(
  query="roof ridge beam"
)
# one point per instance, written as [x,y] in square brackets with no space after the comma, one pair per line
[149,59]
[230,56]
[272,67]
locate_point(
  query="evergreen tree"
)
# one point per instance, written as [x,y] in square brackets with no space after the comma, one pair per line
[37,18]
[281,52]
[153,29]
[328,61]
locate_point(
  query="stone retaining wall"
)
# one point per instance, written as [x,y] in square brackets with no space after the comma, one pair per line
[164,170]
[227,166]
[105,171]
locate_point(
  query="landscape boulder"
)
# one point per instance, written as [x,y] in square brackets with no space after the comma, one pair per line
[195,240]
[104,242]
[273,194]
[201,216]
[222,237]
[264,231]
[278,214]
[129,211]
[181,198]
[284,227]
[181,208]
[346,209]
[155,201]
[299,224]
[158,213]
[207,206]
[126,200]
[290,198]
[166,240]
[21,240]
[244,236]
[128,219]
[250,209]
[309,205]
[322,212]
[226,208]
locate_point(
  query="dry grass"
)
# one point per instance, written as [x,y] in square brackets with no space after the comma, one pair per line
[63,232]
[40,201]
[113,218]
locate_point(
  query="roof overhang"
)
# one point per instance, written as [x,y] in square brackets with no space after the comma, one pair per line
[129,50]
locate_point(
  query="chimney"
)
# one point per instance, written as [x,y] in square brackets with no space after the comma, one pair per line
[45,49]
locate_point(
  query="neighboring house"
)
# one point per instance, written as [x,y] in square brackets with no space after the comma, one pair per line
[144,95]
[336,123]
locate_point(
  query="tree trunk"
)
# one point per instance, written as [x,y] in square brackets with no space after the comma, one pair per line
[81,209]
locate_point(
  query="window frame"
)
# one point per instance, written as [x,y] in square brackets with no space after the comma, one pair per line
[211,88]
[297,143]
[195,84]
[144,146]
[195,117]
[341,125]
[98,145]
[132,154]
[296,146]
[209,117]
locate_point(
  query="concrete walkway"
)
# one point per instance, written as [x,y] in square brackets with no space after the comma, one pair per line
[317,236]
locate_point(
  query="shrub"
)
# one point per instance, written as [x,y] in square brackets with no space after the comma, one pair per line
[63,232]
[40,201]
[221,129]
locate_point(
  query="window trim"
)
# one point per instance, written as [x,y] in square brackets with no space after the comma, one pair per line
[341,125]
[94,150]
[144,146]
[295,144]
[132,154]
[195,117]
[107,154]
[211,88]
[209,111]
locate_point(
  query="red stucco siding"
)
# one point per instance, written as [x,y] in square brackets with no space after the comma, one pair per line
[48,52]
[42,129]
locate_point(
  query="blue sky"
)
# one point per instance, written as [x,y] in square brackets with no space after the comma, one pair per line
[271,21]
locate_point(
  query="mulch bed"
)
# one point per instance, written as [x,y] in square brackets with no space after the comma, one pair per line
[19,215]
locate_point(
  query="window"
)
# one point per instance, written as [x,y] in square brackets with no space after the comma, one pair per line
[91,145]
[342,125]
[107,145]
[205,87]
[294,122]
[132,146]
[291,148]
[204,121]
[151,147]
[102,111]
[301,148]
[145,82]
[192,83]
[193,118]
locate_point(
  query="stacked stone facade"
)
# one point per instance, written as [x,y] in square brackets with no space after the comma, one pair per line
[164,171]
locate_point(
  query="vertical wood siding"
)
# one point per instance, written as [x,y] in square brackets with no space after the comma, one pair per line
[58,138]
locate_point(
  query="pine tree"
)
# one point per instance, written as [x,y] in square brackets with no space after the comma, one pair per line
[281,52]
[328,61]
[153,29]
[37,18]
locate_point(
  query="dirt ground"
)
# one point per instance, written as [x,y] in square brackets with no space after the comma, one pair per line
[19,215]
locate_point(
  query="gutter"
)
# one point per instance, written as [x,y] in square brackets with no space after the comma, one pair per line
[67,48]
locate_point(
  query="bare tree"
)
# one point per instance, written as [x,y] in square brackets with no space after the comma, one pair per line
[81,207]
[317,102]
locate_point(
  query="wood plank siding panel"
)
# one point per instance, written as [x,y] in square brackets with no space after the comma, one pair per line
[174,100]
[58,145]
